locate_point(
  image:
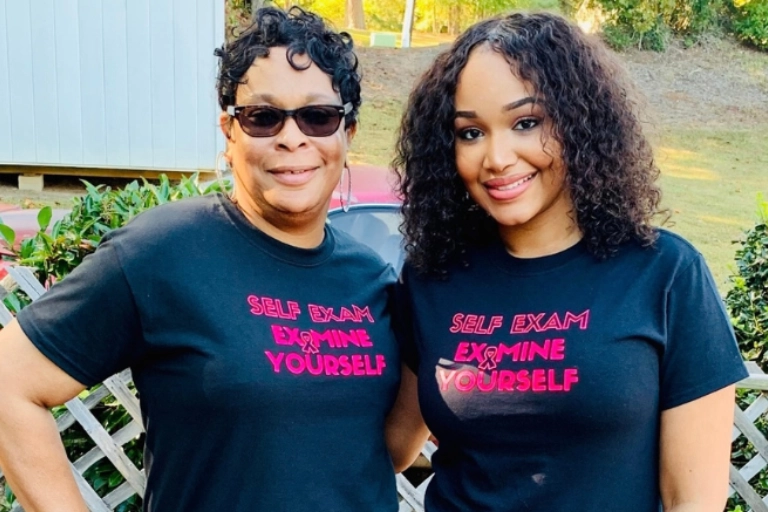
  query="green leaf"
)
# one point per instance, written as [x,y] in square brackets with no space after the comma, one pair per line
[8,234]
[115,479]
[44,217]
[9,495]
[12,301]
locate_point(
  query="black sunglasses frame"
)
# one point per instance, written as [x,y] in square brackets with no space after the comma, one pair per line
[235,111]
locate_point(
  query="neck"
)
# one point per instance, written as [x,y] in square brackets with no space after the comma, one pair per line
[552,231]
[295,230]
[523,242]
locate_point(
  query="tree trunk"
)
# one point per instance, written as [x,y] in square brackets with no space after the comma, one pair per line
[355,17]
[410,8]
[454,19]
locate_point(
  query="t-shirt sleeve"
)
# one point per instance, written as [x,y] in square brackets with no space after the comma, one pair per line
[701,355]
[87,324]
[402,319]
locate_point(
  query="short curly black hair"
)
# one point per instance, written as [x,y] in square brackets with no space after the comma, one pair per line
[302,33]
[610,170]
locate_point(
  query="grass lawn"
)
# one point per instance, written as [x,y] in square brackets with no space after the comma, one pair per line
[711,179]
[376,133]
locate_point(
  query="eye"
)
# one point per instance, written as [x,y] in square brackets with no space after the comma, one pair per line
[469,134]
[528,123]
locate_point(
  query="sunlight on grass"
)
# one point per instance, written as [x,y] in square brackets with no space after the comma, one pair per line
[730,221]
[676,162]
[687,172]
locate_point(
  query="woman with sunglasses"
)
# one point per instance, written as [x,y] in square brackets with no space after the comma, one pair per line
[258,336]
[568,355]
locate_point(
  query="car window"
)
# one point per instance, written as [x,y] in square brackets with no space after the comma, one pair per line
[376,227]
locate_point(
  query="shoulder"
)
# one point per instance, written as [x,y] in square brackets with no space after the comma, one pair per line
[178,214]
[672,244]
[170,225]
[668,250]
[669,262]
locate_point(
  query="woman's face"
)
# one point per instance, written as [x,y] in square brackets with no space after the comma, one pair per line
[505,154]
[286,179]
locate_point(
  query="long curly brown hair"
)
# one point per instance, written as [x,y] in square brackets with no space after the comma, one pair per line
[610,171]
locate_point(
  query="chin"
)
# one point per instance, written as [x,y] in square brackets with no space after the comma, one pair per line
[511,221]
[299,207]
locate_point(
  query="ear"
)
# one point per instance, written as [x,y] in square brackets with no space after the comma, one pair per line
[225,124]
[351,131]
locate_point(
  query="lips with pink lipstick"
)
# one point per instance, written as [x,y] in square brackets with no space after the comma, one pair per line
[292,175]
[508,188]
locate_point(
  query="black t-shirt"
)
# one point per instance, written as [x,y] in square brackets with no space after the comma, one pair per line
[544,379]
[265,371]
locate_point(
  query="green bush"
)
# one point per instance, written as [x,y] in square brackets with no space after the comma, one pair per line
[53,256]
[692,18]
[747,301]
[622,37]
[750,23]
[650,24]
[747,304]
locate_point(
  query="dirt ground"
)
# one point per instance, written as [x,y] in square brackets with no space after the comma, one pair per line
[718,83]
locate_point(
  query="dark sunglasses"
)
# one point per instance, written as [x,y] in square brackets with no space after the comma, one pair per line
[267,121]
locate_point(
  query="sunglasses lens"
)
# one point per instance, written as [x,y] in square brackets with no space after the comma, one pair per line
[318,121]
[315,121]
[261,121]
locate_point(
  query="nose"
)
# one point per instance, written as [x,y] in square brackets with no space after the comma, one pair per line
[290,137]
[500,153]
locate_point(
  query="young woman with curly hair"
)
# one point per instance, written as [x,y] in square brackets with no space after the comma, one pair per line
[567,355]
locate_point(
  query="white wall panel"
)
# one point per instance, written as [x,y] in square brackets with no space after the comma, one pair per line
[109,83]
[139,84]
[162,36]
[116,85]
[6,145]
[68,82]
[93,103]
[44,83]
[20,76]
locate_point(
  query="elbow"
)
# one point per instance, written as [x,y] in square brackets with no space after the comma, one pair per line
[401,464]
[403,457]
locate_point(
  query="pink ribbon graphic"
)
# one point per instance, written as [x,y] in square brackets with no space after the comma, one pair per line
[488,363]
[307,344]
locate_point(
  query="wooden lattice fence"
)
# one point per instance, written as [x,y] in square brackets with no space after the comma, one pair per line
[744,425]
[110,446]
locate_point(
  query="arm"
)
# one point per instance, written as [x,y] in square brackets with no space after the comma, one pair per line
[31,453]
[695,449]
[405,430]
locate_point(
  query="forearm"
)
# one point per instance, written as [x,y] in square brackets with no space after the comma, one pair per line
[695,448]
[405,431]
[34,461]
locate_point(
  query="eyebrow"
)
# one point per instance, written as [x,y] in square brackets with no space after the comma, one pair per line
[471,114]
